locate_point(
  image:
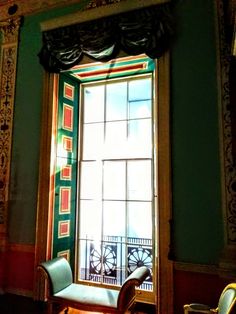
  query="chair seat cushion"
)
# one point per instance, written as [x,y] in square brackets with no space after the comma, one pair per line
[89,295]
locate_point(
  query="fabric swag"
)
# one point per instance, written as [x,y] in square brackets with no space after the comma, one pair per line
[141,31]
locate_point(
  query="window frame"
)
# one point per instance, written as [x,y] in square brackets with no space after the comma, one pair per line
[144,295]
[164,277]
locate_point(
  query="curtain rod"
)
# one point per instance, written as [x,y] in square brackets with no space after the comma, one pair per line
[99,12]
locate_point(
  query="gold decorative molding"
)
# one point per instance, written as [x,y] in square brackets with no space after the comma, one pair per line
[98,3]
[227,262]
[97,9]
[9,30]
[232,23]
[9,44]
[29,7]
[229,168]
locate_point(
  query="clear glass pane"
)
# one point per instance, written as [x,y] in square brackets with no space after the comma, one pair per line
[140,138]
[91,180]
[140,109]
[114,212]
[116,101]
[94,103]
[90,219]
[140,89]
[138,212]
[114,180]
[83,259]
[116,139]
[93,140]
[139,177]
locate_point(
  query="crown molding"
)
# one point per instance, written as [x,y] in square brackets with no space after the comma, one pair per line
[99,10]
[30,7]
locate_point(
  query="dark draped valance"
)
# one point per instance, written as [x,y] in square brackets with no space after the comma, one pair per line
[145,30]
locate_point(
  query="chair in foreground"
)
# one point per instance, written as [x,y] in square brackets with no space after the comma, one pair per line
[62,291]
[225,305]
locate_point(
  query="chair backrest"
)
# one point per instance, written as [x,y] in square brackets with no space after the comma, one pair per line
[127,291]
[227,299]
[59,273]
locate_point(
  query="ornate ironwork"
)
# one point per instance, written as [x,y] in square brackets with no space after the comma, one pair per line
[114,258]
[138,257]
[103,260]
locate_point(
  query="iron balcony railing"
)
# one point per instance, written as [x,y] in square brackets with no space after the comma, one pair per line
[112,259]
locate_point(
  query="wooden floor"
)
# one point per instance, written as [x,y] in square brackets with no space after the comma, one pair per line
[13,304]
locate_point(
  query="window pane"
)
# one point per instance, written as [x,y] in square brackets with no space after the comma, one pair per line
[114,180]
[140,109]
[90,220]
[140,89]
[93,140]
[114,218]
[137,213]
[116,101]
[139,180]
[90,180]
[116,138]
[94,103]
[116,191]
[140,138]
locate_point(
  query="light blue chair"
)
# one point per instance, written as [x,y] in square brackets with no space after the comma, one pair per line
[62,291]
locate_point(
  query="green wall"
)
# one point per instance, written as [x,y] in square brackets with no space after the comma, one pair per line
[197,228]
[198,234]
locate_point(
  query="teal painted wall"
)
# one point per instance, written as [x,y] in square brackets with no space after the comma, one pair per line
[198,235]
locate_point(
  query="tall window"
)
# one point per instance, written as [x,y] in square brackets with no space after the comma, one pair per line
[115,189]
[105,203]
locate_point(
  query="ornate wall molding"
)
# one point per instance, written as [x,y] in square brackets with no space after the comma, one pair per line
[9,44]
[28,7]
[227,261]
[229,166]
